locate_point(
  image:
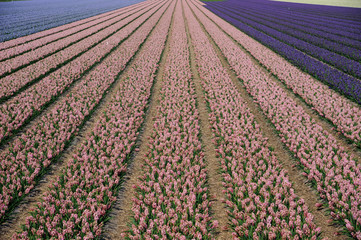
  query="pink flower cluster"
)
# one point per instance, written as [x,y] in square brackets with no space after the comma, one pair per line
[100,19]
[19,109]
[22,40]
[76,204]
[30,154]
[100,33]
[260,198]
[172,198]
[333,172]
[342,112]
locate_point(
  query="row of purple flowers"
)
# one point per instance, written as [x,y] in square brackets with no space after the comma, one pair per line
[343,113]
[300,41]
[336,79]
[331,170]
[307,33]
[260,198]
[331,26]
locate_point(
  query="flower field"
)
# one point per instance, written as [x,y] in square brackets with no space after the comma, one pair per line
[142,97]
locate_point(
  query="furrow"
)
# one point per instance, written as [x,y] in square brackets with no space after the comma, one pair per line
[219,209]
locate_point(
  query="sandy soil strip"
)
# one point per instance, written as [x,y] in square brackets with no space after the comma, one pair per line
[283,155]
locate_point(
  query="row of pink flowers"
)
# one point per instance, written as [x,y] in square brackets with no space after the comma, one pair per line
[332,171]
[58,30]
[11,52]
[172,199]
[29,155]
[92,36]
[19,109]
[260,198]
[342,112]
[78,200]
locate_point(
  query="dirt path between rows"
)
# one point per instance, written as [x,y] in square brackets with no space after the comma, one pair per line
[21,212]
[218,209]
[121,212]
[302,189]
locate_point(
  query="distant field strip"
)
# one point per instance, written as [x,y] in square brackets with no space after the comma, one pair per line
[340,3]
